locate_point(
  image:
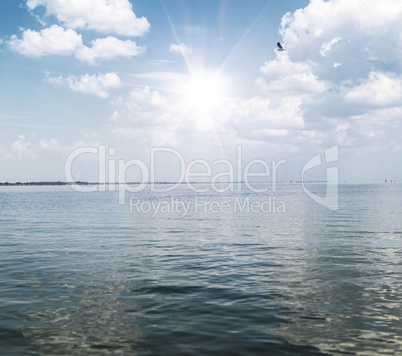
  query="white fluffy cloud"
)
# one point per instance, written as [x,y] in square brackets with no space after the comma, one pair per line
[56,40]
[89,84]
[180,48]
[108,48]
[338,81]
[146,116]
[23,148]
[260,116]
[106,16]
[283,76]
[144,107]
[380,89]
[362,35]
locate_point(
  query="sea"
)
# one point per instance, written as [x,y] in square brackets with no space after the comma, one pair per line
[171,270]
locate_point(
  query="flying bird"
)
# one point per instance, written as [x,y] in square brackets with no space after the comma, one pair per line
[280,47]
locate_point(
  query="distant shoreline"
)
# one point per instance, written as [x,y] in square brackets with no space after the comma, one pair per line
[7,184]
[59,183]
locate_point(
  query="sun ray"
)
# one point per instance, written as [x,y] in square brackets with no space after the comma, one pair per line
[201,93]
[246,34]
[176,35]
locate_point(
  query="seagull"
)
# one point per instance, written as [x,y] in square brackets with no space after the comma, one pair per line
[280,47]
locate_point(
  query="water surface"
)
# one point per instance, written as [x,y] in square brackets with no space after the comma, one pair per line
[81,274]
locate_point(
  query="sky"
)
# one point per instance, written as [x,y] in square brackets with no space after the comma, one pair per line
[171,81]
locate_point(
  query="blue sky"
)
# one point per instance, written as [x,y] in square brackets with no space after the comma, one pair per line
[202,78]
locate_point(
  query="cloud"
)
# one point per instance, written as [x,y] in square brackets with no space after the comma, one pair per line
[108,48]
[267,133]
[362,35]
[261,118]
[89,84]
[146,97]
[338,82]
[105,16]
[263,112]
[380,89]
[56,40]
[144,107]
[49,145]
[115,116]
[180,48]
[327,47]
[284,76]
[23,148]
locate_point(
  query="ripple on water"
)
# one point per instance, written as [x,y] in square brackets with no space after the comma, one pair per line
[80,274]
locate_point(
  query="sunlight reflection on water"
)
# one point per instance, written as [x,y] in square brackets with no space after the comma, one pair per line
[81,274]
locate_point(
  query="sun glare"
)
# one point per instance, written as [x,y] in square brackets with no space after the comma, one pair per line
[204,92]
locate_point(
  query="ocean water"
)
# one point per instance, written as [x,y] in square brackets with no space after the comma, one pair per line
[238,273]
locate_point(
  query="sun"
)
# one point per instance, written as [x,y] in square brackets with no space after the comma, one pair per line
[203,92]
